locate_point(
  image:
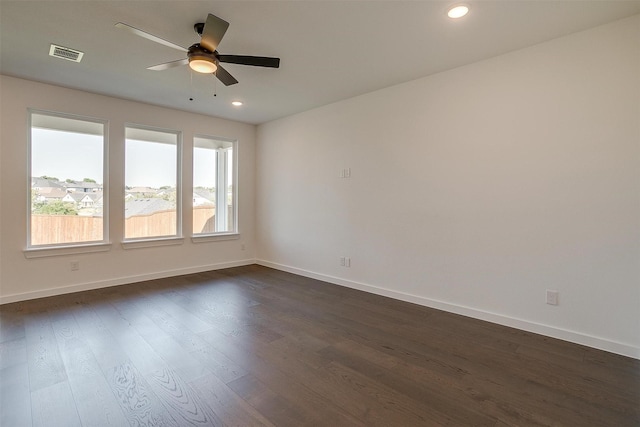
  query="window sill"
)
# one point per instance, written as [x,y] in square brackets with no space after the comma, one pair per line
[204,238]
[47,251]
[150,243]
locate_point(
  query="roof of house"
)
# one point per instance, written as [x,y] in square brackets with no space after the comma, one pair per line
[80,196]
[141,190]
[82,184]
[52,193]
[205,194]
[45,183]
[148,206]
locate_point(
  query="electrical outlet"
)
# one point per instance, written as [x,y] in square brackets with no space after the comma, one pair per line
[74,265]
[342,261]
[242,247]
[552,297]
[347,262]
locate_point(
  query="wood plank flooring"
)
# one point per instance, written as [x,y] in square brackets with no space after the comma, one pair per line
[253,346]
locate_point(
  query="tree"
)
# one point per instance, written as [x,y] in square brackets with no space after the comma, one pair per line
[34,202]
[169,196]
[89,180]
[51,178]
[57,207]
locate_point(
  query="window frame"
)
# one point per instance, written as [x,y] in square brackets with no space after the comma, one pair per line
[219,235]
[35,251]
[151,241]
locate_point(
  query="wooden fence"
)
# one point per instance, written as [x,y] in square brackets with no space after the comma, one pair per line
[161,223]
[52,229]
[60,229]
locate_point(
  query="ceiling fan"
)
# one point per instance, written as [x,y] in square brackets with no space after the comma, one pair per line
[203,57]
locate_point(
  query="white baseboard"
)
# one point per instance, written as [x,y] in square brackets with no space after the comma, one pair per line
[547,330]
[6,299]
[525,325]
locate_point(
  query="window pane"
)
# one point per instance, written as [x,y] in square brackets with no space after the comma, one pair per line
[213,195]
[67,173]
[204,189]
[229,225]
[151,180]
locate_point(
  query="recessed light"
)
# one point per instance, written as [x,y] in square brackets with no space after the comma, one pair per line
[458,11]
[236,103]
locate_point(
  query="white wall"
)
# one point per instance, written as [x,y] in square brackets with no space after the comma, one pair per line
[22,278]
[476,189]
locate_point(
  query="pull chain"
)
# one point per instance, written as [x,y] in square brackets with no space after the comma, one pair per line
[191,84]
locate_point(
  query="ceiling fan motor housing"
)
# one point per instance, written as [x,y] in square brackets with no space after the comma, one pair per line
[202,60]
[198,52]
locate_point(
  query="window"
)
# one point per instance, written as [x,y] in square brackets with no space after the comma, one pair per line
[67,170]
[214,191]
[152,183]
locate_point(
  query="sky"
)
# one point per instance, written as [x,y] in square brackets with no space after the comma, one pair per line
[149,164]
[67,155]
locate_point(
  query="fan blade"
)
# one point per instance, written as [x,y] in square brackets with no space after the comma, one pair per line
[258,61]
[213,32]
[167,65]
[224,76]
[148,36]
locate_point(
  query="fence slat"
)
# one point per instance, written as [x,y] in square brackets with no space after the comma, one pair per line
[59,229]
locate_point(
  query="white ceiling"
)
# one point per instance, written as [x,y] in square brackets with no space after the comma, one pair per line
[329,50]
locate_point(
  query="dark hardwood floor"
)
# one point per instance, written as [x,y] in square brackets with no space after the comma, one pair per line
[252,346]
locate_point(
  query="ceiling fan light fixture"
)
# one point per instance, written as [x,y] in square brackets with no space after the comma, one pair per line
[202,65]
[203,57]
[458,11]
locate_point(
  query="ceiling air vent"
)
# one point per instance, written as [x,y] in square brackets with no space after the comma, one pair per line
[65,53]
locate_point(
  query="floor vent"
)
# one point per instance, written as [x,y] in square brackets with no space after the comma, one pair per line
[65,53]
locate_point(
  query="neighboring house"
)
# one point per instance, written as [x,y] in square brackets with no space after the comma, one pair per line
[39,184]
[50,194]
[82,200]
[204,198]
[81,194]
[139,207]
[142,192]
[68,198]
[47,190]
[82,187]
